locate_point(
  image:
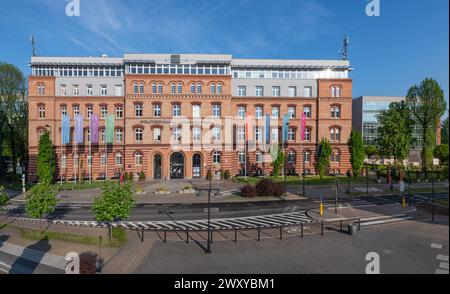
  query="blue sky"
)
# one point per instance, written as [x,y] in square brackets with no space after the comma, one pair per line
[389,53]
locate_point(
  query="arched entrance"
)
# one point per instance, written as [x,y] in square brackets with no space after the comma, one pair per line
[177,166]
[197,166]
[157,164]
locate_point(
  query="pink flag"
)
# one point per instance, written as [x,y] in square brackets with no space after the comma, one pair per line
[303,127]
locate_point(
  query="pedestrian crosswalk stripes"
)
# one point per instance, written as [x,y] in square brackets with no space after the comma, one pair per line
[370,189]
[266,221]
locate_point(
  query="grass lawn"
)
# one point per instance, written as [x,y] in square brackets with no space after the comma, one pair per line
[443,202]
[310,180]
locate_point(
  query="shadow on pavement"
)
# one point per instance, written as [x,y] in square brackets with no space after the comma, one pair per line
[31,257]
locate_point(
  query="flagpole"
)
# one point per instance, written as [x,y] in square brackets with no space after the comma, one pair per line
[61,152]
[90,152]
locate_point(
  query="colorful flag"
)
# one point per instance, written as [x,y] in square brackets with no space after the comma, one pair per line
[110,128]
[249,128]
[93,128]
[267,128]
[285,128]
[79,130]
[303,127]
[65,129]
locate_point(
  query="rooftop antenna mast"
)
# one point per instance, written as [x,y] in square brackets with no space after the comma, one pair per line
[33,43]
[345,48]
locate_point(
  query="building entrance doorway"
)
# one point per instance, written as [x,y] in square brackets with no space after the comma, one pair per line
[177,166]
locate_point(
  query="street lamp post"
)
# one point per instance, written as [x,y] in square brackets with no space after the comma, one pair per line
[335,192]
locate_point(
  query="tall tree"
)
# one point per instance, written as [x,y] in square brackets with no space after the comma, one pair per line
[444,132]
[13,112]
[441,152]
[395,131]
[323,156]
[371,151]
[427,104]
[41,200]
[357,153]
[46,163]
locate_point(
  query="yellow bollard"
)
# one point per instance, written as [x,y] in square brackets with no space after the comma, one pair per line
[321,208]
[404,202]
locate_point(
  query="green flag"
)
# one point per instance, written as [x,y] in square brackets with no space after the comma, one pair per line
[110,128]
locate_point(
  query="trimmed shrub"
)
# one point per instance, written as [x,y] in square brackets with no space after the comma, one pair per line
[278,189]
[248,191]
[265,187]
[4,198]
[142,176]
[88,263]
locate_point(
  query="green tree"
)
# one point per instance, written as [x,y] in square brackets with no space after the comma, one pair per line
[41,200]
[278,164]
[46,165]
[441,152]
[4,198]
[13,113]
[444,132]
[371,151]
[115,202]
[395,131]
[427,104]
[357,154]
[323,157]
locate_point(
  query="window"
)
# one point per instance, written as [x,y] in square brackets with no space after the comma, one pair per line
[307,134]
[119,90]
[64,160]
[259,156]
[258,111]
[103,90]
[192,88]
[275,111]
[89,110]
[41,89]
[291,157]
[89,91]
[291,134]
[213,88]
[292,91]
[241,134]
[138,158]
[219,88]
[216,157]
[335,111]
[241,156]
[103,159]
[307,111]
[335,91]
[41,111]
[157,110]
[141,88]
[63,90]
[135,88]
[180,88]
[154,88]
[176,134]
[76,90]
[242,91]
[335,156]
[196,111]
[157,135]
[217,135]
[307,156]
[176,110]
[335,134]
[258,134]
[216,110]
[196,133]
[102,134]
[173,88]
[241,111]
[276,91]
[275,135]
[259,91]
[119,136]
[291,111]
[75,160]
[119,112]
[89,160]
[104,111]
[76,109]
[160,88]
[138,135]
[199,88]
[64,109]
[307,91]
[118,158]
[138,110]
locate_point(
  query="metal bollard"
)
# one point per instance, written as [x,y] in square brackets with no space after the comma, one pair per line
[259,234]
[301,232]
[321,228]
[187,236]
[235,235]
[165,235]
